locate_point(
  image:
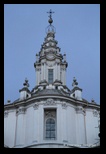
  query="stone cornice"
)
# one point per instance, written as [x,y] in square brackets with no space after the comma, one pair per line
[43,143]
[57,82]
[64,63]
[55,142]
[37,64]
[53,41]
[53,96]
[47,47]
[55,55]
[44,82]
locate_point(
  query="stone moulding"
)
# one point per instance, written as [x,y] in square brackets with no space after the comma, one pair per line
[50,114]
[6,114]
[64,105]
[20,110]
[95,113]
[35,106]
[80,110]
[50,102]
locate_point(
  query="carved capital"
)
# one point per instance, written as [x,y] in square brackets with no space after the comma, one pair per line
[80,110]
[64,105]
[35,106]
[20,110]
[95,113]
[6,114]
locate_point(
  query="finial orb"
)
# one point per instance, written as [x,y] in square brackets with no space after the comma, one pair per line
[50,20]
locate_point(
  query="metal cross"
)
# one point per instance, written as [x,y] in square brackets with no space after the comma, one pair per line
[50,12]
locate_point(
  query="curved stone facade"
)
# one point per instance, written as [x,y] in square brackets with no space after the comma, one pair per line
[26,122]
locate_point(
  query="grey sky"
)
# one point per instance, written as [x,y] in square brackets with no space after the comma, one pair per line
[78,35]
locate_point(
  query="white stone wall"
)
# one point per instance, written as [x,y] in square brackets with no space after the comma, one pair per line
[74,124]
[92,126]
[71,124]
[59,123]
[35,137]
[20,127]
[80,129]
[40,124]
[29,125]
[64,122]
[9,128]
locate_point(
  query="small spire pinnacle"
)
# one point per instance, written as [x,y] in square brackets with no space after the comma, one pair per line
[64,57]
[92,101]
[8,101]
[75,83]
[26,84]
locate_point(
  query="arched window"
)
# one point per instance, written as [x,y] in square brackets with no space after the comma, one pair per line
[50,124]
[50,128]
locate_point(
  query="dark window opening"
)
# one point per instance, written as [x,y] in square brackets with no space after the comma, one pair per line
[56,87]
[50,75]
[50,128]
[73,95]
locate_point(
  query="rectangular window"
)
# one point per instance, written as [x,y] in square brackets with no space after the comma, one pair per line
[50,75]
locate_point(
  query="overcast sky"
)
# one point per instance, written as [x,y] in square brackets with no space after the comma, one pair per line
[78,35]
